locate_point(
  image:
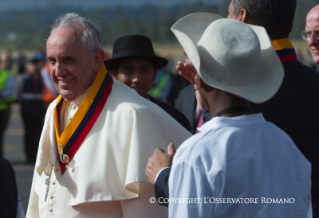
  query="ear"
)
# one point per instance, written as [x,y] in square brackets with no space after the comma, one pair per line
[243,16]
[98,59]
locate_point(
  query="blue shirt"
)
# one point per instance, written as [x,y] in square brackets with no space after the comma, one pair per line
[240,167]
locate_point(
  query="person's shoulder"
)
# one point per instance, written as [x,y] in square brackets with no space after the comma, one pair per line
[166,107]
[53,104]
[186,92]
[50,109]
[301,70]
[197,146]
[4,162]
[187,89]
[7,169]
[25,76]
[185,97]
[124,98]
[176,114]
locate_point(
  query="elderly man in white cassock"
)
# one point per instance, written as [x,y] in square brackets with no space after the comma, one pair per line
[97,135]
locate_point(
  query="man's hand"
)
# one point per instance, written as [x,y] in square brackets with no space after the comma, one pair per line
[187,70]
[158,161]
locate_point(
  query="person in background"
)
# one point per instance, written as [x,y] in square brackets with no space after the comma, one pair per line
[32,105]
[311,33]
[134,63]
[162,85]
[20,59]
[49,93]
[7,83]
[8,190]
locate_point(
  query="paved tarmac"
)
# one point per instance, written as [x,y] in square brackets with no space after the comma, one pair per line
[13,151]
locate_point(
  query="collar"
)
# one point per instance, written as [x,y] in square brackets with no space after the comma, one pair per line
[217,122]
[284,49]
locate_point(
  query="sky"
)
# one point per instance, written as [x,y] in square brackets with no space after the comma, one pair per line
[21,4]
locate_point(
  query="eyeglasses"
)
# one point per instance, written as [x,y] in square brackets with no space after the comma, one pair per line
[307,34]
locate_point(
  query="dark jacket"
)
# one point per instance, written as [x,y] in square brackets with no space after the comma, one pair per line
[8,190]
[187,104]
[295,109]
[161,187]
[178,116]
[31,95]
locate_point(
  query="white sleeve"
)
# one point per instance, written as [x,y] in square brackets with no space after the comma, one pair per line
[188,189]
[33,207]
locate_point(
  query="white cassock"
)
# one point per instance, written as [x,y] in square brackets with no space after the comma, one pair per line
[108,179]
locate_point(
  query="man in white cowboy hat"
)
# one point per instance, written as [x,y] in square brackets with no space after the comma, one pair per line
[294,108]
[239,165]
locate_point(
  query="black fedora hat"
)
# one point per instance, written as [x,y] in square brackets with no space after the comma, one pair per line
[134,46]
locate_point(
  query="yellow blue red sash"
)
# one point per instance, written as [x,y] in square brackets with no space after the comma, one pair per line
[284,49]
[70,140]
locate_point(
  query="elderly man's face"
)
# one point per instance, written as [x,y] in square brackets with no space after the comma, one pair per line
[72,66]
[312,24]
[137,73]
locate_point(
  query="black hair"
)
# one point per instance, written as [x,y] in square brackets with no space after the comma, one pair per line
[276,16]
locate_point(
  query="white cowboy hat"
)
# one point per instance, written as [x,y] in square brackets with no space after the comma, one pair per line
[230,55]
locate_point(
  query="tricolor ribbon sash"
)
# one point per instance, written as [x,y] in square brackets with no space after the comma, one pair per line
[70,140]
[284,49]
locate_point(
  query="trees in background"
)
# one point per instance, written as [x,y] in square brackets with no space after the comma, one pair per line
[30,28]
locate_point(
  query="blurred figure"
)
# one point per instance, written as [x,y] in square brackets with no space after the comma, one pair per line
[6,90]
[32,105]
[49,92]
[20,60]
[8,190]
[311,33]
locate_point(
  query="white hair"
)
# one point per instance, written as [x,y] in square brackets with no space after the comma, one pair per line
[91,31]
